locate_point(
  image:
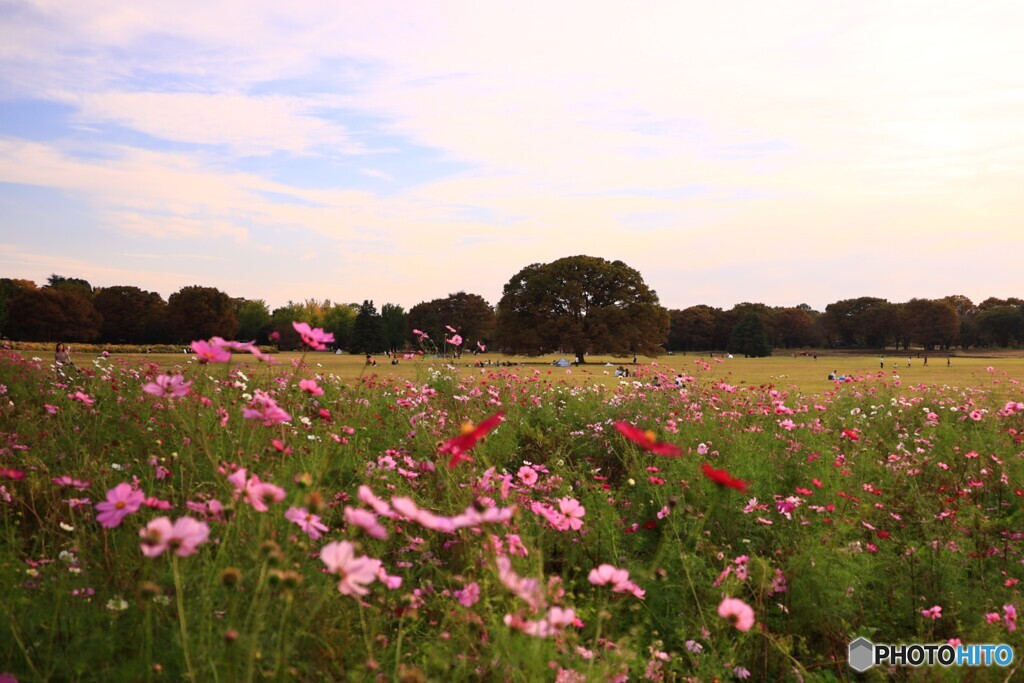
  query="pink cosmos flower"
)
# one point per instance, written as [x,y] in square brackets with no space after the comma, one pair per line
[168,386]
[311,387]
[11,473]
[65,480]
[183,537]
[84,398]
[243,347]
[573,511]
[737,613]
[617,579]
[456,340]
[255,492]
[481,346]
[528,475]
[264,408]
[469,595]
[932,613]
[355,572]
[608,574]
[208,352]
[315,337]
[1010,617]
[307,521]
[122,500]
[365,520]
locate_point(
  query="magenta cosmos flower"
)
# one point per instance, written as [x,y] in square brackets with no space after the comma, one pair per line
[307,521]
[355,572]
[122,500]
[168,386]
[737,613]
[208,352]
[183,537]
[265,409]
[313,337]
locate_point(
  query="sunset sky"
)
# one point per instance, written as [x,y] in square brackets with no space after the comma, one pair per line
[776,152]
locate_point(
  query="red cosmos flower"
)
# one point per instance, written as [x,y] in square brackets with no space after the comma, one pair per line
[11,473]
[646,440]
[458,447]
[851,435]
[723,478]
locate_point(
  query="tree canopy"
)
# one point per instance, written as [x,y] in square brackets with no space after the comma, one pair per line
[581,304]
[469,314]
[200,313]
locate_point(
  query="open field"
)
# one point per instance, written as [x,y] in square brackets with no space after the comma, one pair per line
[162,520]
[801,373]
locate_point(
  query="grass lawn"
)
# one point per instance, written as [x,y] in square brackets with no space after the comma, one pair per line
[802,373]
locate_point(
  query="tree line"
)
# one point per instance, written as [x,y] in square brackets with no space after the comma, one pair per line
[576,305]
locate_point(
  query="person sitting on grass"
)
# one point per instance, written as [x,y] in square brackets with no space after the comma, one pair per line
[62,359]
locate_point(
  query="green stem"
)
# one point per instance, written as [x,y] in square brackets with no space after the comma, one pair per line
[180,594]
[282,649]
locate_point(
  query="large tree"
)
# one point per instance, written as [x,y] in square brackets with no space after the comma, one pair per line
[129,314]
[200,313]
[10,288]
[469,314]
[49,314]
[693,328]
[254,320]
[794,327]
[393,321]
[75,285]
[929,323]
[749,337]
[368,331]
[865,321]
[581,304]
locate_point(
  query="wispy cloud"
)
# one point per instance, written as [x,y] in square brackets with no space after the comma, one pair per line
[400,150]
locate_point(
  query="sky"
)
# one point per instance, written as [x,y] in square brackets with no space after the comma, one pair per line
[775,152]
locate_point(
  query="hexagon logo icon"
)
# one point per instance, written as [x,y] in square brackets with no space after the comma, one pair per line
[861,655]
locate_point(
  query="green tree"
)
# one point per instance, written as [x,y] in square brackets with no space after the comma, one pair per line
[10,288]
[196,312]
[581,304]
[930,323]
[340,320]
[74,285]
[368,331]
[254,320]
[130,315]
[693,328]
[863,322]
[49,314]
[470,314]
[749,337]
[795,328]
[394,325]
[1000,325]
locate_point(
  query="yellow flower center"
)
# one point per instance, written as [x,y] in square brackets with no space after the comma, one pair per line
[467,428]
[651,436]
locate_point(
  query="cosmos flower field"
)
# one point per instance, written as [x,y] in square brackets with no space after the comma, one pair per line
[244,520]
